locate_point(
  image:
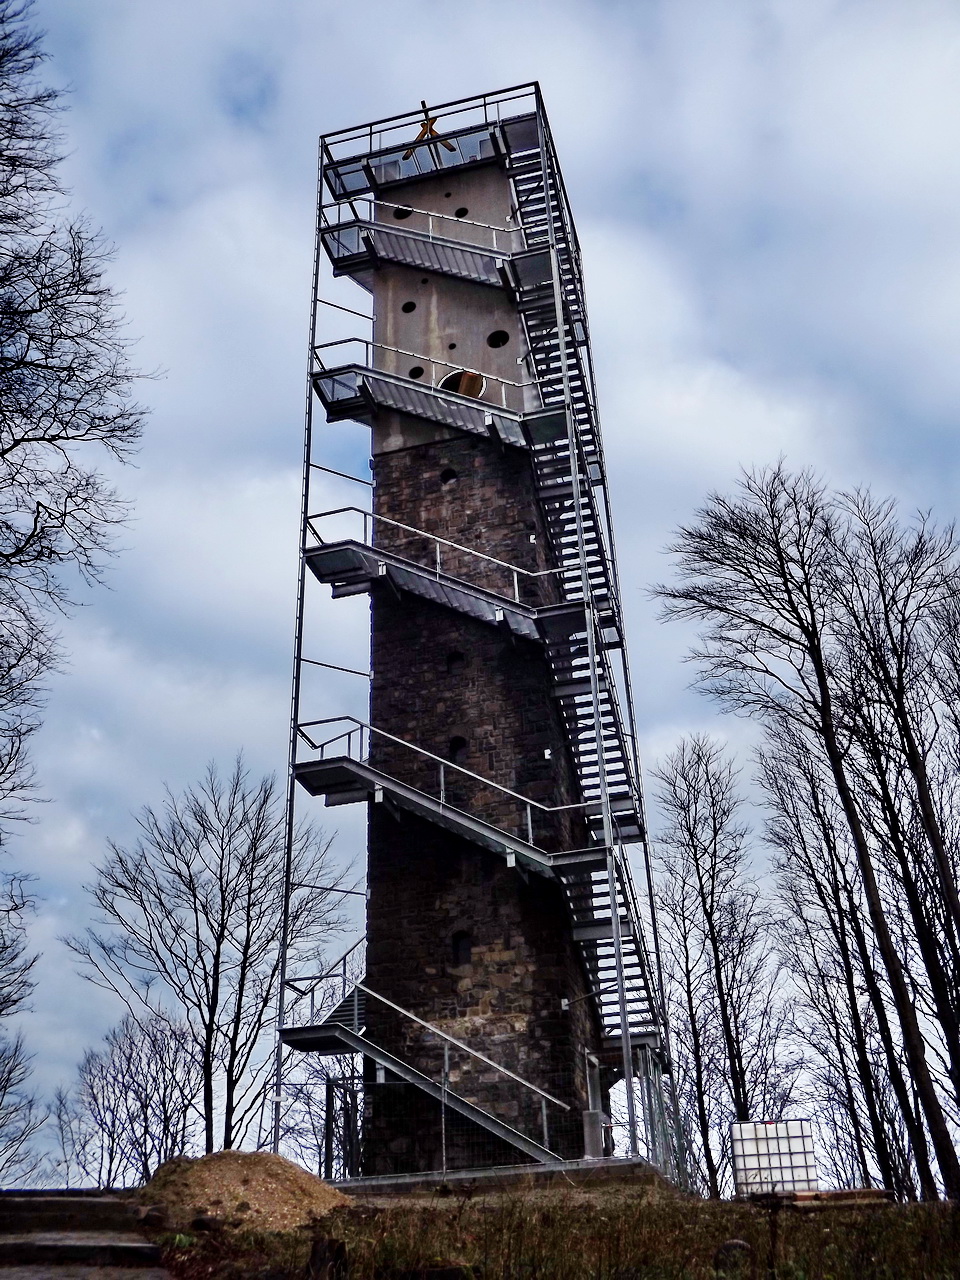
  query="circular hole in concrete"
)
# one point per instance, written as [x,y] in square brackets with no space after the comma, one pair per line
[464,383]
[412,306]
[416,371]
[499,338]
[400,214]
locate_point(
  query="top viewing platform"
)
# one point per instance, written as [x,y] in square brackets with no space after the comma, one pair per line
[472,131]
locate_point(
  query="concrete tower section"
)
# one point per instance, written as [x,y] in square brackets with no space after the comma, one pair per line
[507,980]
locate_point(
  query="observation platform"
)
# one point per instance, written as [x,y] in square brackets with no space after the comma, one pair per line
[351,567]
[357,247]
[343,780]
[358,392]
[373,168]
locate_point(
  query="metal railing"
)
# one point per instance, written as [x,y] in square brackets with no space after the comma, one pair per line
[432,371]
[459,1059]
[424,224]
[325,990]
[352,157]
[370,521]
[355,744]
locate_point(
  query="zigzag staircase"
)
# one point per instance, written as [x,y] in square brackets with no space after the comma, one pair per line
[602,750]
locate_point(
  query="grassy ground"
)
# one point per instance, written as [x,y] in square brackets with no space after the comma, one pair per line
[608,1234]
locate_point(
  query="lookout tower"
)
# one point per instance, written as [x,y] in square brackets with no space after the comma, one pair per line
[506,981]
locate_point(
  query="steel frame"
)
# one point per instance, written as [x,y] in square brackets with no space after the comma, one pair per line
[573,475]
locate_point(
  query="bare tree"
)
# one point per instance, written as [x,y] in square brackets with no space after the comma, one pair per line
[730,1013]
[21,1116]
[190,923]
[818,612]
[65,395]
[134,1106]
[858,1087]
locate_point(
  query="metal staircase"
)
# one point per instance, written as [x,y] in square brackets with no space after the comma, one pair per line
[346,777]
[587,889]
[361,245]
[349,566]
[337,1034]
[579,623]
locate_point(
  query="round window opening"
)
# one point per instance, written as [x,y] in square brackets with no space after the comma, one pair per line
[448,475]
[461,212]
[463,383]
[499,337]
[451,346]
[412,306]
[402,213]
[416,371]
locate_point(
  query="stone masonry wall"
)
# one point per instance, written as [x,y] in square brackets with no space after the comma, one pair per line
[427,887]
[479,949]
[474,493]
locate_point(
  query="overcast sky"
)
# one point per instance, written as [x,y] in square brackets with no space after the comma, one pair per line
[768,196]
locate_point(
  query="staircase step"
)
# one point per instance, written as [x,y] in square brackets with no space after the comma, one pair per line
[22,1212]
[78,1248]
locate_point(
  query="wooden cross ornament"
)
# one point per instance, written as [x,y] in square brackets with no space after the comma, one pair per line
[427,131]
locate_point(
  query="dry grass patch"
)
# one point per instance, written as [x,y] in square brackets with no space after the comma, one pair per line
[617,1233]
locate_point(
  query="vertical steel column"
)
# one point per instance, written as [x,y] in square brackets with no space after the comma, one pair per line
[574,451]
[290,826]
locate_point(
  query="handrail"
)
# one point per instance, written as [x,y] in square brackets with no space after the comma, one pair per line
[319,977]
[415,355]
[422,533]
[477,108]
[352,202]
[346,237]
[449,764]
[306,984]
[460,1045]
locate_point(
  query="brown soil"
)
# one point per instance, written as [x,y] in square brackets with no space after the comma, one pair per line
[248,1190]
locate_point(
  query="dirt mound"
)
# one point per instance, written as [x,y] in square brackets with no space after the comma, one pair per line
[251,1190]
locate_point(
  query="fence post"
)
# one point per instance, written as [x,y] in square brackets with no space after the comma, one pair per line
[443,1105]
[328,1121]
[546,1123]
